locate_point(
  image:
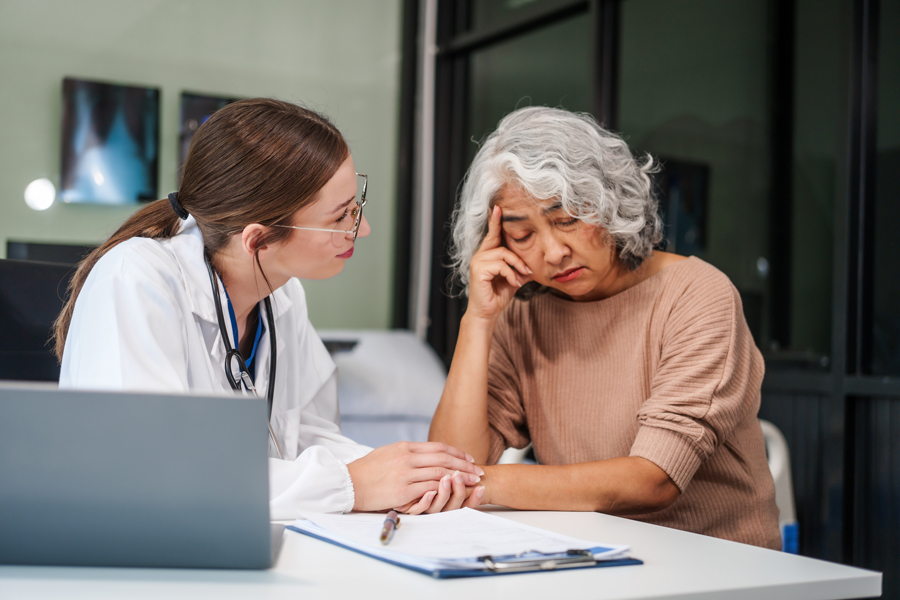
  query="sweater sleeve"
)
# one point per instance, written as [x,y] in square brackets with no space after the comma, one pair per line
[708,379]
[506,414]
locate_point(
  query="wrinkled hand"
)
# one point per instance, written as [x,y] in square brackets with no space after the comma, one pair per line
[495,273]
[405,472]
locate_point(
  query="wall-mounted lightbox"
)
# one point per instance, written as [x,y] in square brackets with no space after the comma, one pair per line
[110,142]
[195,110]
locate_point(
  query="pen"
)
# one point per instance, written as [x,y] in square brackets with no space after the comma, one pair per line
[391,523]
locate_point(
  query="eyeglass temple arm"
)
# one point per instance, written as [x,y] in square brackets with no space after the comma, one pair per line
[363,201]
[362,196]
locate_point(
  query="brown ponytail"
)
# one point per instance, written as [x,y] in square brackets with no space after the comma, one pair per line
[253,161]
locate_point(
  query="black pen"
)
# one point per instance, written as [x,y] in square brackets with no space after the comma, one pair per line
[391,523]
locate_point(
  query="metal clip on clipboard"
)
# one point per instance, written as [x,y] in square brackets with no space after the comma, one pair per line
[527,561]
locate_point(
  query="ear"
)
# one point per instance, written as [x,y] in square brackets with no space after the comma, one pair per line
[250,237]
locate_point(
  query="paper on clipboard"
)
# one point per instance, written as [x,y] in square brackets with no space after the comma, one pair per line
[451,540]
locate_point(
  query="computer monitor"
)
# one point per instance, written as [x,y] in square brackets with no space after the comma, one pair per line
[31,297]
[66,254]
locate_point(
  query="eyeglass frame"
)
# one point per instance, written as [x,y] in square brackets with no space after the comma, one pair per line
[360,203]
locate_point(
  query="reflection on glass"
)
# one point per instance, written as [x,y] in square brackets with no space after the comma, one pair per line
[110,142]
[695,92]
[683,189]
[822,31]
[492,13]
[886,321]
[549,67]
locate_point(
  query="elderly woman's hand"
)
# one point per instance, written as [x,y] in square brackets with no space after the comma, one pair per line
[452,493]
[495,274]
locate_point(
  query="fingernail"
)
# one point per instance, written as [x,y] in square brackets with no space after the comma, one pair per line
[479,470]
[473,479]
[445,481]
[530,272]
[431,495]
[457,477]
[469,458]
[479,491]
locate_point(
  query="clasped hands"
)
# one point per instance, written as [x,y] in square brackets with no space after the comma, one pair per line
[416,478]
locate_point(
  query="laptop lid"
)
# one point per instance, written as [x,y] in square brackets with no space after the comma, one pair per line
[122,479]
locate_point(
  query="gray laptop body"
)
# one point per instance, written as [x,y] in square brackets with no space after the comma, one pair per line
[120,479]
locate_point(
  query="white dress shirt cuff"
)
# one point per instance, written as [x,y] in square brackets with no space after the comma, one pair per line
[316,481]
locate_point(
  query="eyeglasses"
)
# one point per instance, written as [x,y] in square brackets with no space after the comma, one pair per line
[356,213]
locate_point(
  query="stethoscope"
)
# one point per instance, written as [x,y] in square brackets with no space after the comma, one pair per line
[232,354]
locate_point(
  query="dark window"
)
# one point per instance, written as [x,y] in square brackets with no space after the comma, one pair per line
[525,71]
[886,321]
[746,131]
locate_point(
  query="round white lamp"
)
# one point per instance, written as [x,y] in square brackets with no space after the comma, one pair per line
[40,194]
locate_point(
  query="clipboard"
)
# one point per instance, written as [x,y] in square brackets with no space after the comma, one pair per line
[528,561]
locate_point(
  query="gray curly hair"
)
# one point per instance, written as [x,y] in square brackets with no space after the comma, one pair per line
[550,153]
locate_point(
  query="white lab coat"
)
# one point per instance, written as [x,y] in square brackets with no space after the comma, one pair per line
[145,321]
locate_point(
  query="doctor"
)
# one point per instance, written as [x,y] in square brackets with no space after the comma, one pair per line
[198,293]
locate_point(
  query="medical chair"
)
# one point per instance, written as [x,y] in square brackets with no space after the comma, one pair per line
[780,466]
[389,384]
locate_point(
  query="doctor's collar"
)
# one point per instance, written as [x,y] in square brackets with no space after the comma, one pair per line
[189,223]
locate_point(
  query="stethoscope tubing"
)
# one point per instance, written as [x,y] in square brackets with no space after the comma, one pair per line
[234,354]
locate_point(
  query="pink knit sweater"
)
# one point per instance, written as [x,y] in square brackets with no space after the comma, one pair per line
[666,370]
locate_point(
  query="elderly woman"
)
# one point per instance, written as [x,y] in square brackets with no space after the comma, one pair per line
[631,371]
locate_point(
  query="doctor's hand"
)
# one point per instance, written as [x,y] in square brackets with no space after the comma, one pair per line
[404,472]
[495,274]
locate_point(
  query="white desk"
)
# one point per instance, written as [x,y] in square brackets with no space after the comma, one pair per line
[677,565]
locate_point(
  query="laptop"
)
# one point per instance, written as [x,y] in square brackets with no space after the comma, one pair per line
[133,480]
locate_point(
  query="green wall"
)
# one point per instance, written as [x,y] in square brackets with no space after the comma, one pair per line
[341,57]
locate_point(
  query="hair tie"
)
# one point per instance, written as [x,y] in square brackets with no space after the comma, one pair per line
[177,207]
